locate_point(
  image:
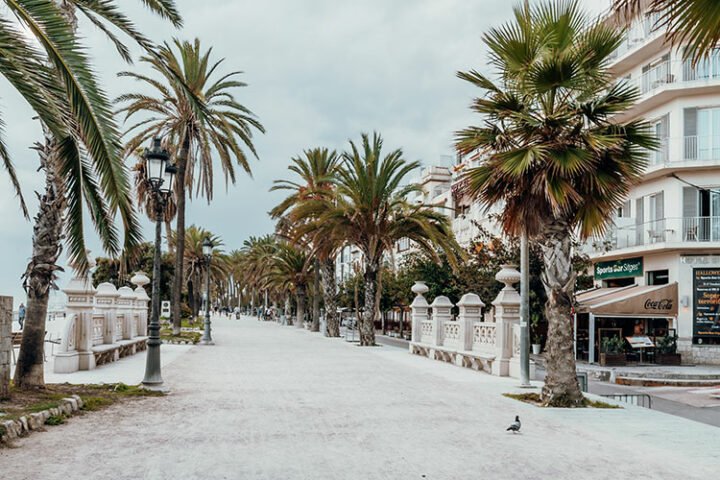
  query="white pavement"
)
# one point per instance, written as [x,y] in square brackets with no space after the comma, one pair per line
[272,402]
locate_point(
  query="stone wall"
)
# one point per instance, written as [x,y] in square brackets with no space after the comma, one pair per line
[699,354]
[6,308]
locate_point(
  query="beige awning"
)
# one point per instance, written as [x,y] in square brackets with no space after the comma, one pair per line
[636,301]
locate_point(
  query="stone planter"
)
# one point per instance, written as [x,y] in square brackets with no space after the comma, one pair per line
[613,359]
[668,358]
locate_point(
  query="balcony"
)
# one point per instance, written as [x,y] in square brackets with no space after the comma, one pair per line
[675,230]
[669,80]
[692,151]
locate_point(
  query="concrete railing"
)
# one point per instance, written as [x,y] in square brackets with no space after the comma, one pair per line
[103,325]
[483,342]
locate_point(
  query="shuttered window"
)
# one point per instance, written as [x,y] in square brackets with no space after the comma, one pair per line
[690,202]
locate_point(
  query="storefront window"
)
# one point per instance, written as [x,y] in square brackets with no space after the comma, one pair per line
[658,277]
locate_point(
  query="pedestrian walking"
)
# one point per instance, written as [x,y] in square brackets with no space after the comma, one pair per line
[21,315]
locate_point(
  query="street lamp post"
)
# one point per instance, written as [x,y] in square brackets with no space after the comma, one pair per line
[207,251]
[161,175]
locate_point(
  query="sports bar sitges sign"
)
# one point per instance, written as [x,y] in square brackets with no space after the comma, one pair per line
[628,267]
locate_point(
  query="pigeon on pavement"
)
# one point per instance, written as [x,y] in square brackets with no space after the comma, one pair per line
[515,426]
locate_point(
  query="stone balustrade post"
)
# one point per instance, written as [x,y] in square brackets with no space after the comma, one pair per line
[81,303]
[106,304]
[441,308]
[470,307]
[141,302]
[507,314]
[419,311]
[126,306]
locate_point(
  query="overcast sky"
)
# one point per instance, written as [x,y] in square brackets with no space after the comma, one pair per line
[320,72]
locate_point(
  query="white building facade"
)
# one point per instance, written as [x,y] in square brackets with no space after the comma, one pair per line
[668,230]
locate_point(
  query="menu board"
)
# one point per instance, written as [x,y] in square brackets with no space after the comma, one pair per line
[706,302]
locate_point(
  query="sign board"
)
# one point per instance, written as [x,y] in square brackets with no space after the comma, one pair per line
[627,267]
[706,302]
[640,341]
[165,309]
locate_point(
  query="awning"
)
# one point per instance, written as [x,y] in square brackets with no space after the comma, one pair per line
[635,300]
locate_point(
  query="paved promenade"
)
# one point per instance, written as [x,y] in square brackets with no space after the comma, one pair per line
[272,402]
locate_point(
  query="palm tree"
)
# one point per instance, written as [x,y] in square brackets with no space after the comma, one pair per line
[691,23]
[316,169]
[78,154]
[258,252]
[291,269]
[195,265]
[199,114]
[551,153]
[369,209]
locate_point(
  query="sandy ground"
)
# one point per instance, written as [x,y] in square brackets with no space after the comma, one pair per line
[272,402]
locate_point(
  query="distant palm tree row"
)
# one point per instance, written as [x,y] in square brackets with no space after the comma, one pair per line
[359,197]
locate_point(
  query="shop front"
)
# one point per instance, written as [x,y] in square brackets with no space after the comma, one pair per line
[630,320]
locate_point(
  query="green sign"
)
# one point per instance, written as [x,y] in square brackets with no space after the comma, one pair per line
[628,267]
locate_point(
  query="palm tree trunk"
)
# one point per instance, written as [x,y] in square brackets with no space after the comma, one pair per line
[300,314]
[561,387]
[316,298]
[40,273]
[367,327]
[177,284]
[288,312]
[327,276]
[191,300]
[168,235]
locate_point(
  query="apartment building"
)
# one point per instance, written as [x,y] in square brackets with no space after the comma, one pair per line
[665,239]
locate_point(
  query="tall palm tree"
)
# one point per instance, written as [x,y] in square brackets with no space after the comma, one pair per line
[291,269]
[258,253]
[316,169]
[195,265]
[369,209]
[78,154]
[198,113]
[691,23]
[551,153]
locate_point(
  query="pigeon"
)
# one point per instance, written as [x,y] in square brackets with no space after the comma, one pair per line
[515,426]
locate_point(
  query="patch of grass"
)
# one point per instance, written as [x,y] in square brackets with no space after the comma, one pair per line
[599,404]
[183,336]
[534,399]
[55,420]
[96,402]
[42,406]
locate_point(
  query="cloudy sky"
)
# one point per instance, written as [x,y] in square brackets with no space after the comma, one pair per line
[320,72]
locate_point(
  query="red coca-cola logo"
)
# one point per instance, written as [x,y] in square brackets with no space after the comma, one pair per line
[664,304]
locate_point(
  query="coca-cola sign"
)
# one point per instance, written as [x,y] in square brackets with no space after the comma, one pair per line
[662,304]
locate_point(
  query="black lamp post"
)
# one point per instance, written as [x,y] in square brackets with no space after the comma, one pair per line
[207,251]
[161,176]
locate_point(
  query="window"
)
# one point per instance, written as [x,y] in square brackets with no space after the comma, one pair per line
[701,214]
[702,133]
[403,244]
[658,277]
[656,231]
[461,211]
[661,129]
[656,73]
[624,210]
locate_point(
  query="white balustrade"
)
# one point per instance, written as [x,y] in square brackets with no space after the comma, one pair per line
[101,323]
[487,342]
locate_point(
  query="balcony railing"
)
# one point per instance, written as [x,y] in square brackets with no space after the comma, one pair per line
[690,148]
[656,77]
[674,229]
